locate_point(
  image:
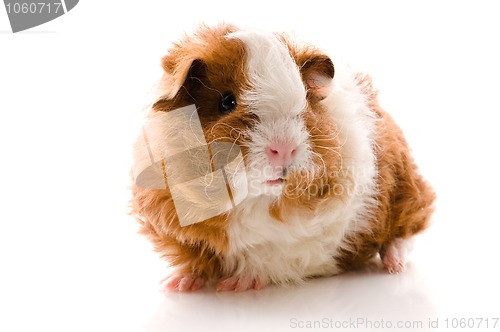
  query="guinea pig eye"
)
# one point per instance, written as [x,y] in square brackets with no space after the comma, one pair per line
[227,103]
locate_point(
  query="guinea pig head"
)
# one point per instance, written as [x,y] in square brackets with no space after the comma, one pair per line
[264,93]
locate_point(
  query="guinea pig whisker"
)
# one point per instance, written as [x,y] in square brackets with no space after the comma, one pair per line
[328,139]
[335,151]
[323,168]
[236,130]
[188,93]
[316,134]
[206,86]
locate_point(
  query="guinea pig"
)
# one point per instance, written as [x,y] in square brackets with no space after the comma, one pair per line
[262,163]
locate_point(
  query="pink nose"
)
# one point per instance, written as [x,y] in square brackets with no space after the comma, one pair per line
[281,154]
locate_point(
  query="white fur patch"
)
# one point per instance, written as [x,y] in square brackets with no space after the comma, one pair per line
[357,124]
[260,246]
[277,88]
[278,97]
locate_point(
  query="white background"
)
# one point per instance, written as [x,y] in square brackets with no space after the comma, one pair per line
[71,91]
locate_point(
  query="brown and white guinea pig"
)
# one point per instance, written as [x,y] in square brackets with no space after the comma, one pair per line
[328,181]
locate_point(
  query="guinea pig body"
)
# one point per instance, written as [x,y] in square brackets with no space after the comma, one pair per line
[327,182]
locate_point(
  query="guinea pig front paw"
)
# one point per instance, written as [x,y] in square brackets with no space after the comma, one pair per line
[183,282]
[240,284]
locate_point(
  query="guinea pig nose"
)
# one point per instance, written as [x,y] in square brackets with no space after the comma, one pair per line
[281,154]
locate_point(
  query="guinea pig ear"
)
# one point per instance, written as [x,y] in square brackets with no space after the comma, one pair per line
[317,72]
[184,73]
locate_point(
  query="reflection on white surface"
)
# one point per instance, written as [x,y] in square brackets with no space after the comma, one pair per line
[361,299]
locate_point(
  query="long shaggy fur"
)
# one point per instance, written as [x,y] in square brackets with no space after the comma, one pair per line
[353,190]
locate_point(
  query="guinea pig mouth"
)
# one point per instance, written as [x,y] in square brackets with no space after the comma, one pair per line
[275,182]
